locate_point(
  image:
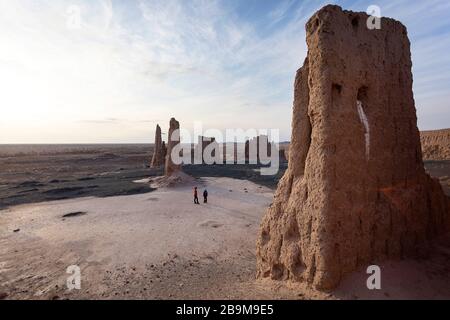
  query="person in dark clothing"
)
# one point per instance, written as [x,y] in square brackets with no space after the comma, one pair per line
[205,196]
[196,196]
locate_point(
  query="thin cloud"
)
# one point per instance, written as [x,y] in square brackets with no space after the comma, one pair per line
[134,61]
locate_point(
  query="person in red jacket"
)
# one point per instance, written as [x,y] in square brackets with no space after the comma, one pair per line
[196,196]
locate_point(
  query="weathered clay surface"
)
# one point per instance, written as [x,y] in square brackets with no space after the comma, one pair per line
[355,190]
[435,144]
[173,140]
[159,153]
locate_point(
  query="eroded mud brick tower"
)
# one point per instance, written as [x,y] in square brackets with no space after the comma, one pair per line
[355,191]
[159,154]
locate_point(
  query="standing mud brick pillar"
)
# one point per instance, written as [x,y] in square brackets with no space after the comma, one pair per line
[158,158]
[355,190]
[173,140]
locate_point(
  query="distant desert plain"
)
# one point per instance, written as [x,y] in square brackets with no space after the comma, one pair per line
[93,206]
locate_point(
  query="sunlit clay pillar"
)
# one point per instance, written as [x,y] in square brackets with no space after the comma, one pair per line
[355,190]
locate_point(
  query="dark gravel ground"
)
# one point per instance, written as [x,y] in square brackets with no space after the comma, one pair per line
[43,173]
[48,173]
[69,172]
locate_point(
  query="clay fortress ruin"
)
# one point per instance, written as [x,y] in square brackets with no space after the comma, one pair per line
[355,191]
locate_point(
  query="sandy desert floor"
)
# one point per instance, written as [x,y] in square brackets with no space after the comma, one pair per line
[159,245]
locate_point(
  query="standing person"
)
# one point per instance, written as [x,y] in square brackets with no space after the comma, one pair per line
[205,196]
[196,196]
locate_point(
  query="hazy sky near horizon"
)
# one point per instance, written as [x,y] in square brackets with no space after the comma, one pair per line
[124,66]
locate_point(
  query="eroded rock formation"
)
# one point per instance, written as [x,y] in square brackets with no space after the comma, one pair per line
[173,140]
[355,190]
[159,153]
[435,144]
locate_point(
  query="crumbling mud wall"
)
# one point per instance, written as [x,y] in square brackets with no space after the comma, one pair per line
[435,144]
[355,190]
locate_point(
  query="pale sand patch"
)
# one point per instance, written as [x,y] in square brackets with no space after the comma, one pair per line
[160,245]
[160,241]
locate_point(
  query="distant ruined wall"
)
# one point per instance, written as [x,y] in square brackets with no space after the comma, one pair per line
[435,144]
[203,143]
[252,148]
[355,190]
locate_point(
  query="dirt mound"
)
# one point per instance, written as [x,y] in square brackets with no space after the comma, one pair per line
[177,179]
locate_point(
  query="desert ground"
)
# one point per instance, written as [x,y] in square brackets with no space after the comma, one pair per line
[90,207]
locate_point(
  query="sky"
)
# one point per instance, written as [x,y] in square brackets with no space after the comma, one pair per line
[107,71]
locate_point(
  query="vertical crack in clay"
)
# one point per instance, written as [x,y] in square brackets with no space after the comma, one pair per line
[365,122]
